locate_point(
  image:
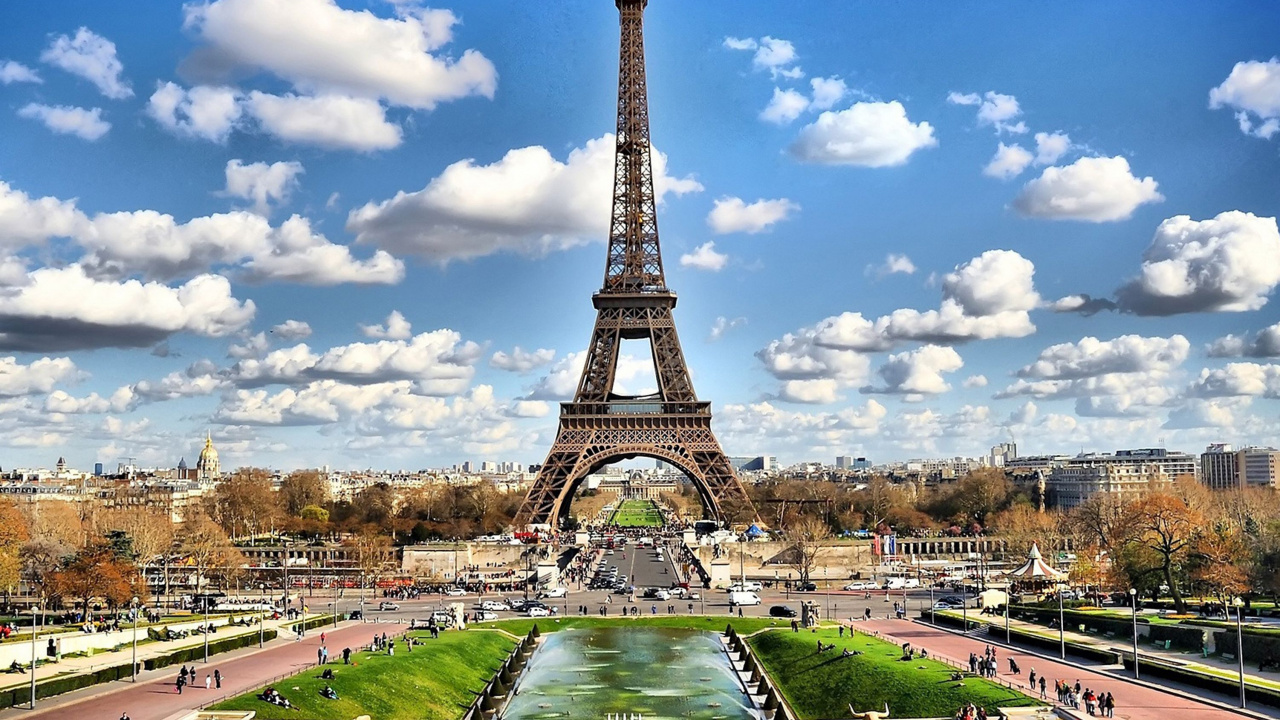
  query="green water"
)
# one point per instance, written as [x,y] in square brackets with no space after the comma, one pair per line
[661,673]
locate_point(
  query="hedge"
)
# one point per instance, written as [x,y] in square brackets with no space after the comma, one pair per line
[1183,638]
[21,695]
[1102,655]
[191,654]
[313,623]
[1257,647]
[1227,686]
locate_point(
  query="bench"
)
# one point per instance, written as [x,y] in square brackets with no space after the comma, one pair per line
[1228,656]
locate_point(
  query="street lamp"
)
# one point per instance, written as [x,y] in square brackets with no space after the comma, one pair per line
[1133,603]
[133,606]
[34,609]
[262,613]
[931,618]
[1006,615]
[206,630]
[1240,645]
[1062,638]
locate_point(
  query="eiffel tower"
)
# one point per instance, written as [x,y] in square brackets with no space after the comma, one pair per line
[600,426]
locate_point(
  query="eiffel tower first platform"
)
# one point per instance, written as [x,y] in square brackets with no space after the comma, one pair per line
[600,426]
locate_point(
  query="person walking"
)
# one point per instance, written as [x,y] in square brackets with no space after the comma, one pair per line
[217,679]
[1031,679]
[208,681]
[1042,684]
[1109,705]
[182,680]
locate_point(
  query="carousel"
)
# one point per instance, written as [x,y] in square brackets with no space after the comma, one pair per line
[1034,575]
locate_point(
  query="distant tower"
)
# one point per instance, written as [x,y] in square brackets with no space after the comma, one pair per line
[61,468]
[207,467]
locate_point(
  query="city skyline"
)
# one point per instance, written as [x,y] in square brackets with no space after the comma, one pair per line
[888,244]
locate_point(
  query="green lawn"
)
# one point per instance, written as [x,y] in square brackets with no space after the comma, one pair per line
[823,686]
[436,680]
[637,513]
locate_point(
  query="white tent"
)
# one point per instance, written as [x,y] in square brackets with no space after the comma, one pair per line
[1035,569]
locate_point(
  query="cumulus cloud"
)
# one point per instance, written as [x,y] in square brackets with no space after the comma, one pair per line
[522,361]
[327,121]
[60,401]
[66,309]
[253,346]
[766,425]
[705,257]
[262,184]
[292,330]
[204,112]
[1253,91]
[321,47]
[893,264]
[784,106]
[1050,147]
[84,123]
[15,72]
[1228,263]
[1243,379]
[776,56]
[867,134]
[1094,189]
[396,327]
[1091,357]
[527,202]
[994,109]
[975,381]
[1009,161]
[92,57]
[917,372]
[1265,344]
[40,376]
[733,215]
[723,325]
[561,380]
[827,92]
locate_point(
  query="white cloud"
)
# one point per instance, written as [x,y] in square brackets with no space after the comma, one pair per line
[917,372]
[994,109]
[522,361]
[734,43]
[324,49]
[527,202]
[16,72]
[733,215]
[292,330]
[723,325]
[1229,263]
[995,282]
[776,56]
[827,92]
[91,57]
[893,264]
[816,391]
[1266,344]
[867,134]
[1237,380]
[705,257]
[60,401]
[766,425]
[975,381]
[86,124]
[561,380]
[1253,91]
[265,185]
[40,376]
[254,346]
[24,220]
[1050,147]
[328,121]
[784,106]
[1094,189]
[1009,161]
[1091,357]
[205,112]
[396,327]
[65,309]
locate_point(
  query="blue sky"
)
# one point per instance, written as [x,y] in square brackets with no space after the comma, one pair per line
[894,233]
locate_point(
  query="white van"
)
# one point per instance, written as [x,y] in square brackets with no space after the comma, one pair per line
[898,582]
[743,597]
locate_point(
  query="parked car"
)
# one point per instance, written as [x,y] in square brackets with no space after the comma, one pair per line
[485,615]
[747,586]
[781,611]
[388,605]
[455,592]
[743,598]
[806,587]
[442,618]
[535,611]
[861,585]
[558,592]
[494,605]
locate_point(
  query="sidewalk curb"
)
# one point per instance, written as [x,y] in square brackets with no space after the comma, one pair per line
[1101,670]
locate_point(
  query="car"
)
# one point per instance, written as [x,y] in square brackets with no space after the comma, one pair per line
[442,618]
[657,594]
[806,587]
[747,586]
[947,605]
[782,611]
[860,585]
[485,615]
[535,611]
[557,592]
[743,598]
[386,605]
[494,605]
[455,592]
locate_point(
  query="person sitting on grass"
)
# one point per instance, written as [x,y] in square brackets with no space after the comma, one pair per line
[327,674]
[329,693]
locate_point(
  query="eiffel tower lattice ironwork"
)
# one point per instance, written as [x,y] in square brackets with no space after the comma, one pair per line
[599,426]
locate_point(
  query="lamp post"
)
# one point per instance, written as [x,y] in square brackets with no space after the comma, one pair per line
[1133,603]
[34,609]
[931,618]
[262,614]
[133,606]
[1006,616]
[1062,637]
[206,630]
[1240,646]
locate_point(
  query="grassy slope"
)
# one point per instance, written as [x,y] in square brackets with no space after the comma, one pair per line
[637,513]
[823,686]
[436,680]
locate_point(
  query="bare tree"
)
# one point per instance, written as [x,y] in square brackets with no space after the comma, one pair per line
[806,535]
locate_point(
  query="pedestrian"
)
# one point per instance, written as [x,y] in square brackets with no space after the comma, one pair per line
[124,716]
[182,680]
[319,656]
[1109,703]
[208,681]
[346,656]
[1031,679]
[1042,694]
[739,611]
[217,679]
[183,672]
[322,637]
[841,631]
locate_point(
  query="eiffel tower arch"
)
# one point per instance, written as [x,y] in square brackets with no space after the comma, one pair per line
[600,427]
